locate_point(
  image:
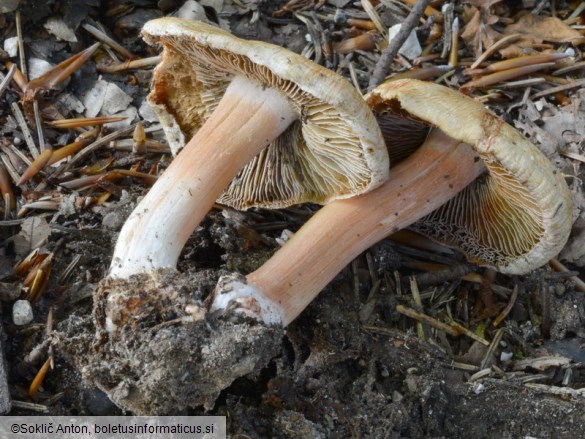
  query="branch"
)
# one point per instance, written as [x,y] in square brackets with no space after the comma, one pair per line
[392,49]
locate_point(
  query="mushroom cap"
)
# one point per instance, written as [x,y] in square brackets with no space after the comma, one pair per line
[335,148]
[516,217]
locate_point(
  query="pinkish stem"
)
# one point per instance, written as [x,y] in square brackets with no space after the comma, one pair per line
[245,121]
[283,287]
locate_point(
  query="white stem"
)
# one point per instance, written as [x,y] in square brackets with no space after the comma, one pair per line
[340,231]
[246,120]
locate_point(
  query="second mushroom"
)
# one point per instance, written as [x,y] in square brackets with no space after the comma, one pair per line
[475,183]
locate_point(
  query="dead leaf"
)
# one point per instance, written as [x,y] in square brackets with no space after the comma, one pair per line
[567,123]
[536,29]
[547,143]
[34,233]
[542,28]
[530,123]
[478,33]
[574,251]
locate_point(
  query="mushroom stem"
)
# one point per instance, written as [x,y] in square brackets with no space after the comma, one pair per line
[340,231]
[245,121]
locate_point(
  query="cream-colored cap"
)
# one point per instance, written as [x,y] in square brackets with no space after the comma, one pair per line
[516,217]
[335,148]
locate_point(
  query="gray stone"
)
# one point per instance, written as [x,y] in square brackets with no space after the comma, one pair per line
[11,46]
[57,27]
[22,313]
[114,220]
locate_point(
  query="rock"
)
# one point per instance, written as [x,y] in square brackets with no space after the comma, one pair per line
[22,313]
[67,205]
[110,100]
[59,28]
[11,46]
[114,220]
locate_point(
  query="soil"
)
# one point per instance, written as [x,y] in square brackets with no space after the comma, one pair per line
[351,365]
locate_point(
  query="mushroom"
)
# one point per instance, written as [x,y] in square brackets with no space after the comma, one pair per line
[513,217]
[233,99]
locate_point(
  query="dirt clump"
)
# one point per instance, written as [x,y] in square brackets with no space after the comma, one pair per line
[156,350]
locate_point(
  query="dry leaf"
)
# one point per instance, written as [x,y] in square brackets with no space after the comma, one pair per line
[545,29]
[567,123]
[478,33]
[547,143]
[536,29]
[34,233]
[574,251]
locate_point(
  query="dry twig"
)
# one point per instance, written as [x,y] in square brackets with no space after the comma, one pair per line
[390,52]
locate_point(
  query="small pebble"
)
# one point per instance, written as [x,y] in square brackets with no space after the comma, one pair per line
[59,28]
[506,356]
[11,46]
[284,236]
[570,51]
[67,205]
[114,220]
[130,113]
[477,388]
[22,313]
